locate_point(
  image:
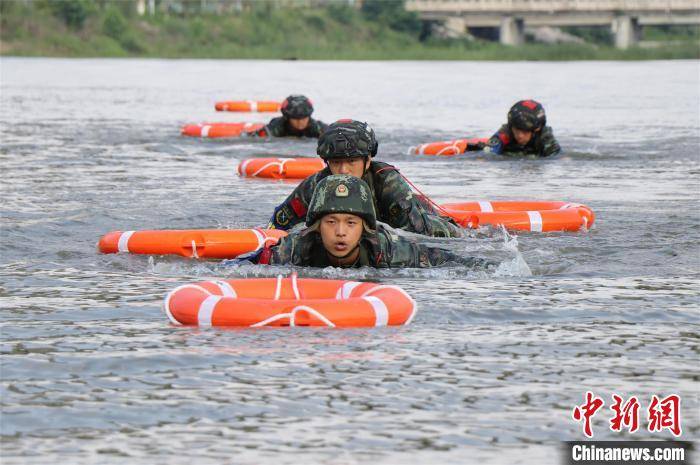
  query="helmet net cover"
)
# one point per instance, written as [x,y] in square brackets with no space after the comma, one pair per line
[342,193]
[297,106]
[527,115]
[347,138]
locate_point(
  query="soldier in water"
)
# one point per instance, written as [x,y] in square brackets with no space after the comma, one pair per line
[347,147]
[526,133]
[295,120]
[342,231]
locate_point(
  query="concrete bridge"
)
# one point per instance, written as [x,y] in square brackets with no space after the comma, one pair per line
[626,17]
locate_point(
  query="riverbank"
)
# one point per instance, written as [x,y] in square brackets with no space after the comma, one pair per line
[336,32]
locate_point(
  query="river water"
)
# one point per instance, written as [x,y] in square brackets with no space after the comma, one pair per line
[493,364]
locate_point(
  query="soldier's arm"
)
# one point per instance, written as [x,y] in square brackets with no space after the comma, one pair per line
[402,252]
[497,142]
[275,128]
[550,146]
[398,205]
[280,254]
[436,256]
[293,210]
[405,210]
[319,128]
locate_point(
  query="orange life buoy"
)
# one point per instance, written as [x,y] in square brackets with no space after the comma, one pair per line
[219,129]
[280,168]
[537,216]
[249,105]
[197,243]
[446,148]
[289,302]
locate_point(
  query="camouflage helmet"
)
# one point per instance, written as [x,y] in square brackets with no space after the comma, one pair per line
[527,115]
[297,106]
[347,138]
[342,193]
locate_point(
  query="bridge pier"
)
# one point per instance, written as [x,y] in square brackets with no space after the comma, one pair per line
[627,31]
[455,26]
[143,6]
[512,31]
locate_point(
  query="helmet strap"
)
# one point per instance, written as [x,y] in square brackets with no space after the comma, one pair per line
[366,167]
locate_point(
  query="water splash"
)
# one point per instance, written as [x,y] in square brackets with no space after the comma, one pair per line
[517,266]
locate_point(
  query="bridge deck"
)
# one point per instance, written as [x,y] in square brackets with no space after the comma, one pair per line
[490,13]
[554,6]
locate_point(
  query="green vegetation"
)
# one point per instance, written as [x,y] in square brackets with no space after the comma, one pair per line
[380,30]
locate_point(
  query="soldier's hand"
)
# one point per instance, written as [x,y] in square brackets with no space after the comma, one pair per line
[475,146]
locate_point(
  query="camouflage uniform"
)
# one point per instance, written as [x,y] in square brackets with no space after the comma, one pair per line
[384,249]
[378,246]
[394,202]
[293,107]
[542,143]
[279,127]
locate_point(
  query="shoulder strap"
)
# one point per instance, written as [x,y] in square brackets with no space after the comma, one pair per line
[379,166]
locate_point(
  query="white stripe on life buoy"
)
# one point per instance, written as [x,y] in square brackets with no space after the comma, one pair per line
[253,105]
[346,289]
[396,289]
[171,294]
[206,309]
[381,313]
[486,206]
[410,299]
[278,288]
[244,166]
[535,221]
[226,289]
[205,131]
[259,236]
[123,245]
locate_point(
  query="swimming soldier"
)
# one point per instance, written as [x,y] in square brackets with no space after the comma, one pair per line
[347,147]
[295,120]
[525,133]
[342,231]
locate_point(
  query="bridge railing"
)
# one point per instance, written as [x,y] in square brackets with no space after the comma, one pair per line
[550,6]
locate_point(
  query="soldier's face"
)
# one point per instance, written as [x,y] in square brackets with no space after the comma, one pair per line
[354,166]
[341,233]
[522,137]
[299,123]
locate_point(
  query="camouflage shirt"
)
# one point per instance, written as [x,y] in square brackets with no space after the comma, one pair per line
[278,127]
[542,144]
[383,249]
[394,202]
